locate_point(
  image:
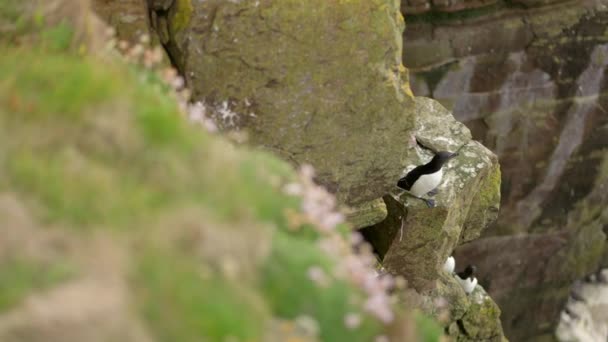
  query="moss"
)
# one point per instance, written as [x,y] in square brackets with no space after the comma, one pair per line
[21,277]
[77,190]
[427,329]
[182,305]
[368,214]
[291,293]
[482,320]
[485,205]
[181,12]
[58,38]
[31,88]
[157,118]
[232,67]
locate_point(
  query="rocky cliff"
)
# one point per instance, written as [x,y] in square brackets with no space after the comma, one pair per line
[123,221]
[321,82]
[529,79]
[182,234]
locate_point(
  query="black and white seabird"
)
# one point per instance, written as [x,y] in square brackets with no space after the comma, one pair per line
[425,178]
[449,265]
[569,315]
[576,296]
[467,279]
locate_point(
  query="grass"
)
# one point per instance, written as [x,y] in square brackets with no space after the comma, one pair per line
[291,293]
[19,277]
[180,305]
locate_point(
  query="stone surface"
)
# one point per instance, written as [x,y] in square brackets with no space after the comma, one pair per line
[367,214]
[311,94]
[531,85]
[481,322]
[473,317]
[415,240]
[130,18]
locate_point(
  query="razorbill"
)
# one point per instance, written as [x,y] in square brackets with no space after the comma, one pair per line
[576,296]
[449,265]
[425,178]
[466,279]
[569,315]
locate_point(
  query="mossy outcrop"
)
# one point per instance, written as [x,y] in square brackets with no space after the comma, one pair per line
[466,317]
[475,317]
[311,94]
[416,240]
[422,238]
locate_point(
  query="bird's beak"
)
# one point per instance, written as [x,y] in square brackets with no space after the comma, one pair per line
[455,154]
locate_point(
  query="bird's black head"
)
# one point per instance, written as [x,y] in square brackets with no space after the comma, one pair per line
[442,157]
[469,271]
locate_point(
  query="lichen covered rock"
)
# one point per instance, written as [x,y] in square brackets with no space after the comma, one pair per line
[415,240]
[481,322]
[312,94]
[368,213]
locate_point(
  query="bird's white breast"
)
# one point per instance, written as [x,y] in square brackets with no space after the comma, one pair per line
[468,284]
[426,183]
[449,265]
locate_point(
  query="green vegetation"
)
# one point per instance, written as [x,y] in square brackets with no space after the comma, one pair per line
[19,277]
[429,330]
[98,149]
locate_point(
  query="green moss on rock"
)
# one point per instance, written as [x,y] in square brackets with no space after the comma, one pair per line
[181,13]
[323,63]
[367,214]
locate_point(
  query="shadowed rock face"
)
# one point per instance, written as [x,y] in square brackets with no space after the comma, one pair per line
[532,85]
[448,6]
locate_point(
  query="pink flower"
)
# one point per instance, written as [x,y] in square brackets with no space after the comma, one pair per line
[352,320]
[318,276]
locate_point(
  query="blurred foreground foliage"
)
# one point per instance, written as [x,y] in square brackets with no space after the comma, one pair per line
[95,151]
